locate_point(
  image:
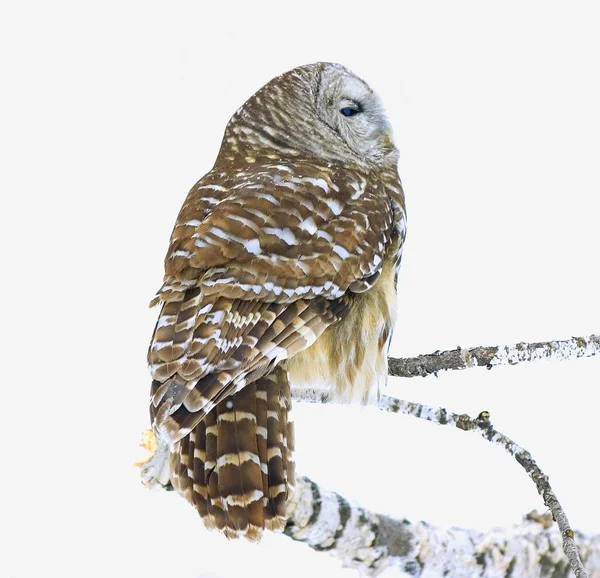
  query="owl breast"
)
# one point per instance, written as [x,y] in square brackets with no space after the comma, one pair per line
[350,357]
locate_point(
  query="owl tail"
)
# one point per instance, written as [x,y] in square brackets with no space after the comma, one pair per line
[236,465]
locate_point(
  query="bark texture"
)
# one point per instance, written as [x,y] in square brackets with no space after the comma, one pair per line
[459,358]
[373,542]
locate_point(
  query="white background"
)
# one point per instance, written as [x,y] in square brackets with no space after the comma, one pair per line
[110,111]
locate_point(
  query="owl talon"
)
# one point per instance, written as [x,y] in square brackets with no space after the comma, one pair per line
[149,443]
[154,469]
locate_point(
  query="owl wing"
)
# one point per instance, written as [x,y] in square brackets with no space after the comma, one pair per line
[256,271]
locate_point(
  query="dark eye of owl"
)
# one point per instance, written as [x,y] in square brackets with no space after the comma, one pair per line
[349,111]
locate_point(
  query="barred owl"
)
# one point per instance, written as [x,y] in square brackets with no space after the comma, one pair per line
[281,269]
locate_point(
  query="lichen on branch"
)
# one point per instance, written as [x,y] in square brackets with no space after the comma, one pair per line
[459,358]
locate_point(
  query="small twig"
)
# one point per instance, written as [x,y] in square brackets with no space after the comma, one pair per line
[482,425]
[424,365]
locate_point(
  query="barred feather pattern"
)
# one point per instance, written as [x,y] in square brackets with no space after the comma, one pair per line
[236,466]
[282,267]
[206,348]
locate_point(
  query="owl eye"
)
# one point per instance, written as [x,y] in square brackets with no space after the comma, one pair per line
[349,111]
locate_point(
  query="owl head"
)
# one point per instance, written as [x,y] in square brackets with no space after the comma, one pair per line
[319,110]
[350,108]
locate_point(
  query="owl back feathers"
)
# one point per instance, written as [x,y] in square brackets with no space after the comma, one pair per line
[284,256]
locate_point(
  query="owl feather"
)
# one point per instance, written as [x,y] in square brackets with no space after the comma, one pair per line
[282,268]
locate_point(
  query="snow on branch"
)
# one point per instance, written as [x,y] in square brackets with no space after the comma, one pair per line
[424,365]
[481,425]
[372,542]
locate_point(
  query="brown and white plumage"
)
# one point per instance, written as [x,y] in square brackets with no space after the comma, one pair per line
[282,266]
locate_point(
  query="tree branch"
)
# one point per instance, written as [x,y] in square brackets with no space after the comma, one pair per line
[481,425]
[424,365]
[372,542]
